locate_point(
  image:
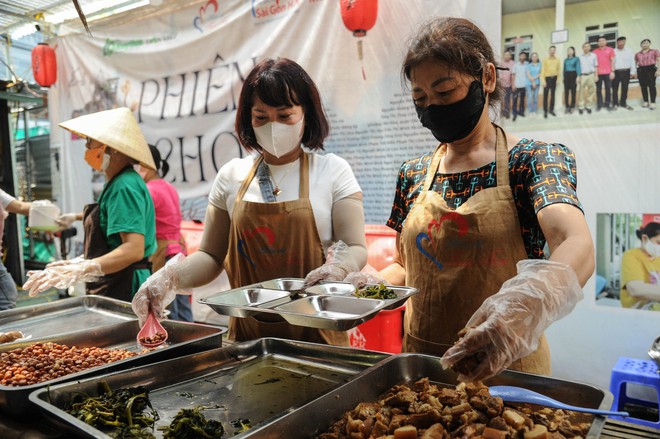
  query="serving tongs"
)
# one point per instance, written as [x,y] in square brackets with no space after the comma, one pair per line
[520,394]
[152,334]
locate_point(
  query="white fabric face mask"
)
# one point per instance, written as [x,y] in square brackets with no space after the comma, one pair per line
[279,138]
[652,248]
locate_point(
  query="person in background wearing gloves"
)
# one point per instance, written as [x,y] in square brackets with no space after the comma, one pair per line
[120,229]
[282,212]
[168,227]
[9,204]
[475,252]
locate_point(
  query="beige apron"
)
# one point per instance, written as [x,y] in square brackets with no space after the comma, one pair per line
[458,258]
[270,241]
[159,257]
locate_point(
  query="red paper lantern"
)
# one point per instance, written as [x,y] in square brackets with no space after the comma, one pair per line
[359,15]
[44,65]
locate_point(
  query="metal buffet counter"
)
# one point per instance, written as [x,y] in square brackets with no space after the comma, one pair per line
[280,388]
[86,321]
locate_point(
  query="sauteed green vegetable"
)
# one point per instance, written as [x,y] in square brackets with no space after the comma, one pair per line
[376,292]
[192,424]
[123,413]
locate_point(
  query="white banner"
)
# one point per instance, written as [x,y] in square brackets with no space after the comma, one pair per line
[181,73]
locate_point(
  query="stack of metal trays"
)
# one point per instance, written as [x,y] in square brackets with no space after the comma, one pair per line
[252,382]
[94,322]
[330,305]
[317,416]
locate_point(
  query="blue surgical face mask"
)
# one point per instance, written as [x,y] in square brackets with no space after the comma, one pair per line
[452,122]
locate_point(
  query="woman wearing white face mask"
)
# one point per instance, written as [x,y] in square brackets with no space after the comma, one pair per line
[640,271]
[120,229]
[274,214]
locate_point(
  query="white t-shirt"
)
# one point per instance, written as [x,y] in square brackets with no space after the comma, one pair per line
[5,198]
[330,178]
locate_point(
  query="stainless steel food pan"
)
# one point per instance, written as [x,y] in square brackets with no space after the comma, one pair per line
[347,289]
[64,316]
[329,312]
[284,283]
[331,289]
[329,305]
[245,302]
[259,380]
[184,338]
[317,416]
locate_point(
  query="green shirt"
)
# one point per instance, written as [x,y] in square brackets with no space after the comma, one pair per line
[126,206]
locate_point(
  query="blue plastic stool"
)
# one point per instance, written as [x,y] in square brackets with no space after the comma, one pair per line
[642,372]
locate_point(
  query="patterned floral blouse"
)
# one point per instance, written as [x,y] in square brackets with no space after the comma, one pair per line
[540,174]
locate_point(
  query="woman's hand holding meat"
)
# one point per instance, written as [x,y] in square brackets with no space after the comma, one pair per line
[508,325]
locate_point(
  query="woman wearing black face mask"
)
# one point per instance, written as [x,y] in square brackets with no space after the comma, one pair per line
[474,215]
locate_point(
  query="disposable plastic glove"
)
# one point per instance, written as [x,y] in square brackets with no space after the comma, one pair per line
[508,325]
[63,274]
[159,290]
[338,263]
[65,221]
[367,276]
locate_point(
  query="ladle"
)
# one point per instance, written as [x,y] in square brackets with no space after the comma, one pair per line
[519,394]
[151,327]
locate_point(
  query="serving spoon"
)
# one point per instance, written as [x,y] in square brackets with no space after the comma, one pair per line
[147,336]
[519,394]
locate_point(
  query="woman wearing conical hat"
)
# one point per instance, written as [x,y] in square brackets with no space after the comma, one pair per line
[120,228]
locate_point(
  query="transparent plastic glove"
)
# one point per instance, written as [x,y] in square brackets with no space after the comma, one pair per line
[508,325]
[338,263]
[65,221]
[159,290]
[66,261]
[367,276]
[63,274]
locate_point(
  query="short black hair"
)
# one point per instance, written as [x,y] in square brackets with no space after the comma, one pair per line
[621,39]
[162,167]
[645,39]
[651,230]
[281,83]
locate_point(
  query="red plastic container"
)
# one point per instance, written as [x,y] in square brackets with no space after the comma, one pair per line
[382,333]
[381,243]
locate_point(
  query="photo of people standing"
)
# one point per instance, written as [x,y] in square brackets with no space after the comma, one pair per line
[591,54]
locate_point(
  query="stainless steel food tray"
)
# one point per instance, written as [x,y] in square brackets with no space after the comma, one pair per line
[317,416]
[184,338]
[64,316]
[259,380]
[330,305]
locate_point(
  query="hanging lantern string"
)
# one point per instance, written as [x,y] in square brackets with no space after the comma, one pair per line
[360,57]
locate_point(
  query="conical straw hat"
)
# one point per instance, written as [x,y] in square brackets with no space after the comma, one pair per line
[116,128]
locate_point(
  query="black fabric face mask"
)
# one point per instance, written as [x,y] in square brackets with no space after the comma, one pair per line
[452,122]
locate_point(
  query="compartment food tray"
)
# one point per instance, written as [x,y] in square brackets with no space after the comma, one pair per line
[317,416]
[64,316]
[184,338]
[330,305]
[259,381]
